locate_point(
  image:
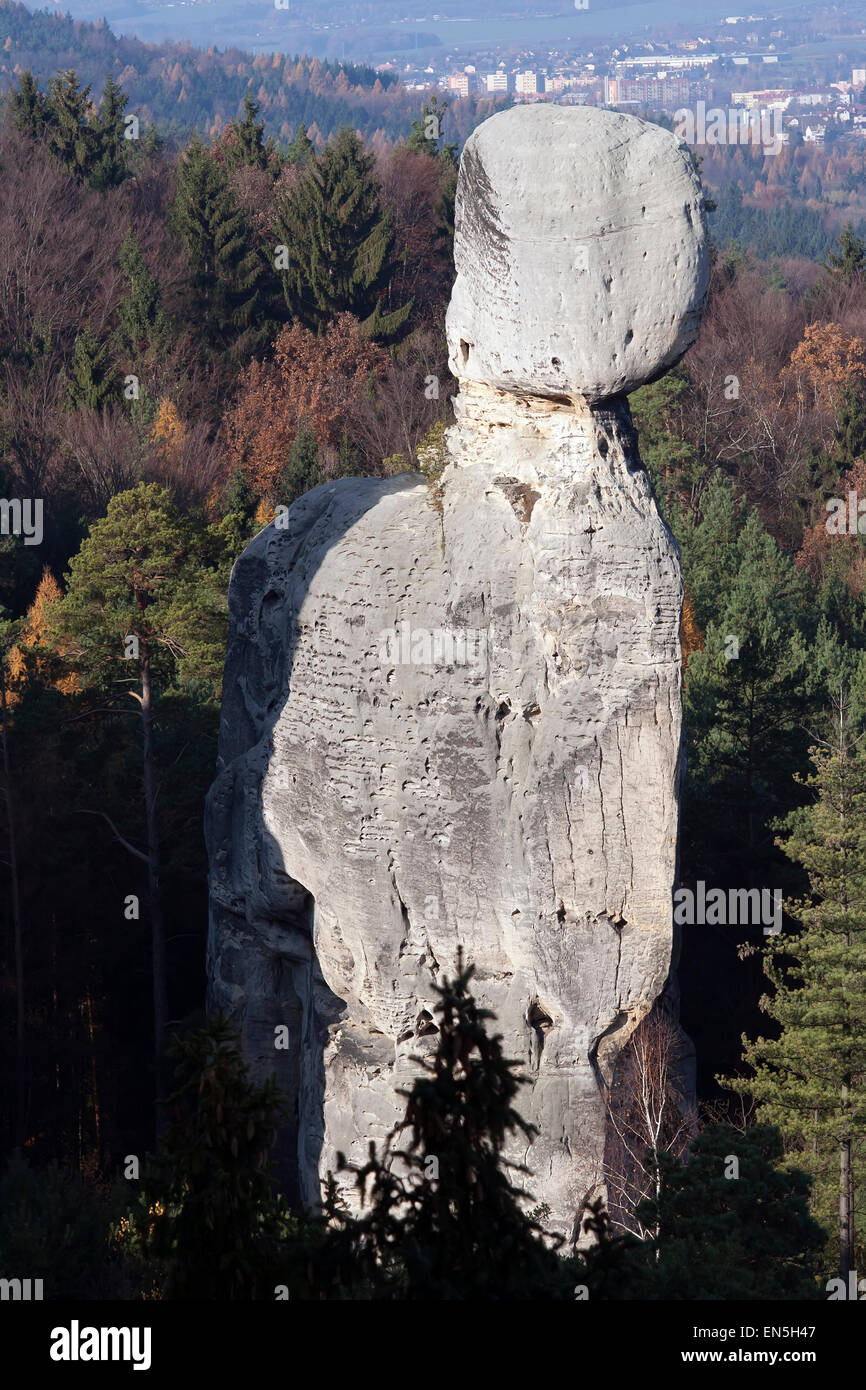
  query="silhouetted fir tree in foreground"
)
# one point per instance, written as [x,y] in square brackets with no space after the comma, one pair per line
[464,1233]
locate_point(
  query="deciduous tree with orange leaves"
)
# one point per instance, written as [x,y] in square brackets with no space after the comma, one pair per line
[321,378]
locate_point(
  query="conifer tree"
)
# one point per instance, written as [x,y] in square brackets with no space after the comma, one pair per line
[726,1233]
[140,610]
[811,1079]
[302,470]
[70,136]
[108,165]
[850,261]
[426,135]
[28,105]
[850,431]
[452,1226]
[89,381]
[249,147]
[208,1213]
[302,149]
[340,243]
[143,328]
[226,269]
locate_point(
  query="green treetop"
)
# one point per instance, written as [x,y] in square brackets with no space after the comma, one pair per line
[340,243]
[89,382]
[850,261]
[225,267]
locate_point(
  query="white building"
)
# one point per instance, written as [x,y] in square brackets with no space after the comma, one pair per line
[527,83]
[497,82]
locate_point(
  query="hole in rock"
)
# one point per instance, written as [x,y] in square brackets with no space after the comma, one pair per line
[629,335]
[464,350]
[539,1019]
[555,362]
[425,1024]
[560,913]
[603,447]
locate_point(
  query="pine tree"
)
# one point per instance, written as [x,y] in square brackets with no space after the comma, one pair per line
[109,160]
[340,243]
[208,1213]
[811,1079]
[452,1226]
[89,382]
[142,609]
[225,267]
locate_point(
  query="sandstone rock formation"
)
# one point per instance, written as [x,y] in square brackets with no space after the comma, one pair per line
[451,714]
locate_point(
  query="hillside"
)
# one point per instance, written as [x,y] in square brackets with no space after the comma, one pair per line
[181,88]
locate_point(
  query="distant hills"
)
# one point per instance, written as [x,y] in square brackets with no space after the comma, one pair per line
[180,87]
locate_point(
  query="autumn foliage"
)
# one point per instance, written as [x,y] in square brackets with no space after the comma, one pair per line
[322,378]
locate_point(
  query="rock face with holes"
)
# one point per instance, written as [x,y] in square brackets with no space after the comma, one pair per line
[591,277]
[451,712]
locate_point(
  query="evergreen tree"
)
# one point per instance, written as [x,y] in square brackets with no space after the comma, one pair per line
[302,470]
[70,136]
[302,149]
[208,1214]
[850,431]
[89,382]
[143,608]
[225,267]
[452,1226]
[249,147]
[811,1079]
[143,328]
[747,689]
[27,105]
[340,243]
[426,135]
[849,263]
[109,166]
[727,1233]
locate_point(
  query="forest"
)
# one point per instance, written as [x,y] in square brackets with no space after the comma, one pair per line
[193,335]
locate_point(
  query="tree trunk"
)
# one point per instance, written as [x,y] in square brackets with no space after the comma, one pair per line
[157,928]
[20,1051]
[846,1211]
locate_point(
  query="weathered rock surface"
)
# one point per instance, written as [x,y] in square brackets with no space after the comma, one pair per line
[451,717]
[580,253]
